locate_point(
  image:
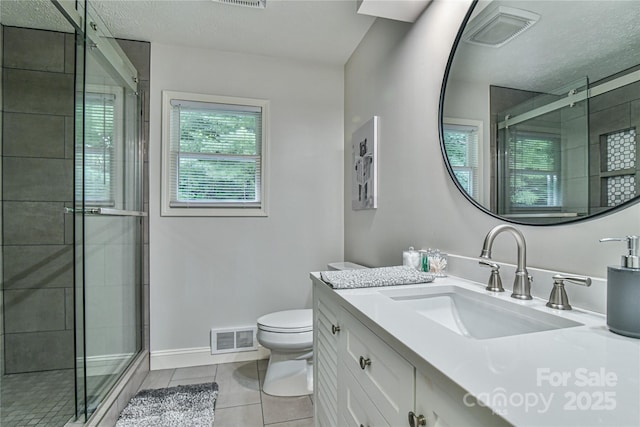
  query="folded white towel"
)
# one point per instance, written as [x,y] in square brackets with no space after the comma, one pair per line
[370,277]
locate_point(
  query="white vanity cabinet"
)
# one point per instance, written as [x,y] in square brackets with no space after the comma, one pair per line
[361,381]
[326,327]
[384,376]
[441,403]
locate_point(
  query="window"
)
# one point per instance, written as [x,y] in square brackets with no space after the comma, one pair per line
[463,142]
[102,145]
[533,171]
[214,152]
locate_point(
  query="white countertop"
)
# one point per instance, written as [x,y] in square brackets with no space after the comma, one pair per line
[578,376]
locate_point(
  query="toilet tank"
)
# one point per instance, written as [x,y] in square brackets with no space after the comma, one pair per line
[345,266]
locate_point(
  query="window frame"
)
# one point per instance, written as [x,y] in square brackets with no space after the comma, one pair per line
[477,171]
[255,210]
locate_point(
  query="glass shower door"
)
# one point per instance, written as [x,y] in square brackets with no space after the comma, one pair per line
[536,139]
[108,179]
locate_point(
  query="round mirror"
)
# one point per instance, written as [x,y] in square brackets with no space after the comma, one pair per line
[540,107]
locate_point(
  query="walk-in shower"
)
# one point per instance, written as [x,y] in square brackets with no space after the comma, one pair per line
[72,212]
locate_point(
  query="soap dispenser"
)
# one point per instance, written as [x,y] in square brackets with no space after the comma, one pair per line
[623,290]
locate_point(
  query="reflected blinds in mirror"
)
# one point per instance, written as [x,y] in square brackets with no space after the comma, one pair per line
[533,170]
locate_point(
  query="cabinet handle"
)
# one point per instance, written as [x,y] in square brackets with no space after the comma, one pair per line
[335,329]
[364,362]
[416,420]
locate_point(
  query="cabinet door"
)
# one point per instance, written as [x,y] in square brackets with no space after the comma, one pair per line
[385,376]
[356,409]
[442,403]
[326,335]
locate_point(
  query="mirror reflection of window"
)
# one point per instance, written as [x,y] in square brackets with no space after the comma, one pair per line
[533,172]
[463,142]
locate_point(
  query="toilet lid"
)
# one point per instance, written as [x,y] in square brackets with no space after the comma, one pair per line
[287,321]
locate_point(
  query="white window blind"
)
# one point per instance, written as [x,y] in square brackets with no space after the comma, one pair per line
[534,170]
[99,149]
[214,155]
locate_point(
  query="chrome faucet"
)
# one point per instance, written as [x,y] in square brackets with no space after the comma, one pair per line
[522,281]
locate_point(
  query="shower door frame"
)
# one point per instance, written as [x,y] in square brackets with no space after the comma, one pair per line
[91,33]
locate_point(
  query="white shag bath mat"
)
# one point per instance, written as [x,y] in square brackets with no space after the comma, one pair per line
[184,405]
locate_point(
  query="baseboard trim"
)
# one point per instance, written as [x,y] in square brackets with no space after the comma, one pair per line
[187,357]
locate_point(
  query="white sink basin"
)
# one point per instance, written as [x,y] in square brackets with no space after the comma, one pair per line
[475,315]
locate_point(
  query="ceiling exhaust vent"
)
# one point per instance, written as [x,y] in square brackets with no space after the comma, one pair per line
[256,4]
[496,26]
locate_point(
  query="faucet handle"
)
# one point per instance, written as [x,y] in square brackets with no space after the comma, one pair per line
[558,298]
[493,265]
[495,282]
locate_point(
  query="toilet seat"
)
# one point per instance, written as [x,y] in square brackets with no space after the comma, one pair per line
[288,321]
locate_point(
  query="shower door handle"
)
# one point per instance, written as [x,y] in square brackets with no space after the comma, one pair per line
[105,211]
[116,212]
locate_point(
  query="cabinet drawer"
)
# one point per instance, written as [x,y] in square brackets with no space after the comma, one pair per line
[356,409]
[386,376]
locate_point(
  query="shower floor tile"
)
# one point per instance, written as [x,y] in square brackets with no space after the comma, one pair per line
[37,398]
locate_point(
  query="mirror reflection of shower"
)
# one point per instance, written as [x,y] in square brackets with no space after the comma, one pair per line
[534,140]
[544,136]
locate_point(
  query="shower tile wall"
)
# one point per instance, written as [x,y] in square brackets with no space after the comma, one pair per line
[37,178]
[611,112]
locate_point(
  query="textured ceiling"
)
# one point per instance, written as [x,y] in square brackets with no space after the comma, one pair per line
[40,14]
[318,30]
[572,39]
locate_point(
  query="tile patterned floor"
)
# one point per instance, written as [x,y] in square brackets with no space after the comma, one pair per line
[240,401]
[37,398]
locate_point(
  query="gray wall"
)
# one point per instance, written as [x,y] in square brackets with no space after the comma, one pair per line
[37,183]
[225,272]
[396,72]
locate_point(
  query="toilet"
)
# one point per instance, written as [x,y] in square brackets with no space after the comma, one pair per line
[289,336]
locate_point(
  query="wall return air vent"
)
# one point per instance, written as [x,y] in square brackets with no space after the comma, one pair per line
[495,26]
[256,4]
[233,340]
